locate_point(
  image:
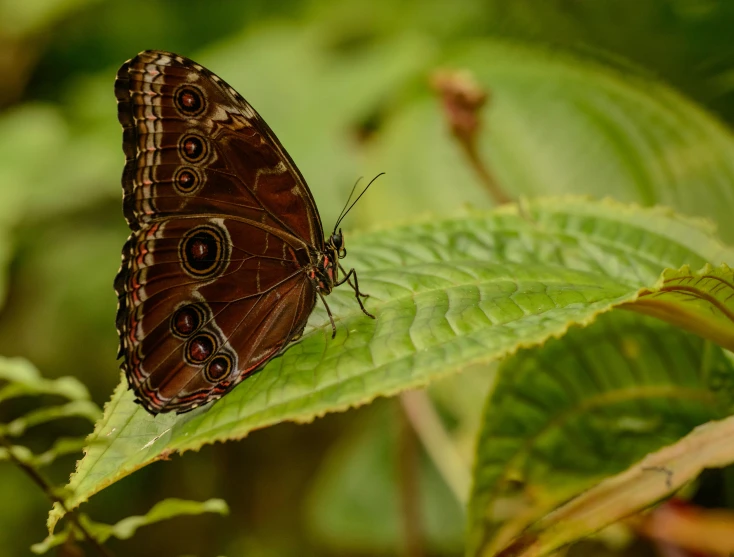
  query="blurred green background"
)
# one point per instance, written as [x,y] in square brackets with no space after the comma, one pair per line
[345,85]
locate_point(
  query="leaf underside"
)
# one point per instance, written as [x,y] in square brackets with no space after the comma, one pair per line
[580,409]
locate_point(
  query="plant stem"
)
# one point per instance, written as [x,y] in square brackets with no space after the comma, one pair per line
[484,173]
[408,466]
[438,444]
[463,99]
[47,488]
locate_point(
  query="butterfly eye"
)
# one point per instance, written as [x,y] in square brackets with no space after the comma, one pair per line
[186,181]
[339,244]
[186,320]
[204,251]
[219,368]
[200,348]
[189,101]
[337,240]
[193,148]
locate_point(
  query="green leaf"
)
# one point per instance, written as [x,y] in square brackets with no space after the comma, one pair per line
[652,479]
[563,417]
[559,123]
[62,446]
[18,451]
[448,294]
[700,302]
[76,408]
[168,508]
[24,380]
[684,42]
[127,527]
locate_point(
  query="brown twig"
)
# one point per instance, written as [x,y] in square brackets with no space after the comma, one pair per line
[408,466]
[462,100]
[48,489]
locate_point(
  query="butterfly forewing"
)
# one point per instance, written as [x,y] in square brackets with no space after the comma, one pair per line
[194,145]
[215,276]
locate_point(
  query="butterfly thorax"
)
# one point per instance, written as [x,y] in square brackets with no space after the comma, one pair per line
[325,272]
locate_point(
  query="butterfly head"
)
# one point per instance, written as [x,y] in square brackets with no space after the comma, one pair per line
[336,245]
[325,272]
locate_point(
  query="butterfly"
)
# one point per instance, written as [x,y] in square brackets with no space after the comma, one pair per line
[227,255]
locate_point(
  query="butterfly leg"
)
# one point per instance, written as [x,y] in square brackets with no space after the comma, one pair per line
[355,287]
[348,279]
[328,312]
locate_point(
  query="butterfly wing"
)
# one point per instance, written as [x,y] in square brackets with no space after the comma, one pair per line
[191,328]
[213,280]
[193,145]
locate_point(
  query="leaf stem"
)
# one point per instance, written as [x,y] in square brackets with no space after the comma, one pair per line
[462,100]
[48,489]
[408,467]
[435,439]
[485,174]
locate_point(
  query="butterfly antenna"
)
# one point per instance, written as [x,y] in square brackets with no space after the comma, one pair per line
[351,193]
[344,213]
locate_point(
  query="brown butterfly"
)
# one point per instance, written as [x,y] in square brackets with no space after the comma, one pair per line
[227,253]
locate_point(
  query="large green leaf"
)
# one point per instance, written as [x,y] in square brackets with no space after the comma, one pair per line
[580,409]
[701,302]
[684,42]
[559,123]
[651,479]
[447,294]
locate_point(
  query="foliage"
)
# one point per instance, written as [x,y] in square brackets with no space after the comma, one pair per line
[21,380]
[127,527]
